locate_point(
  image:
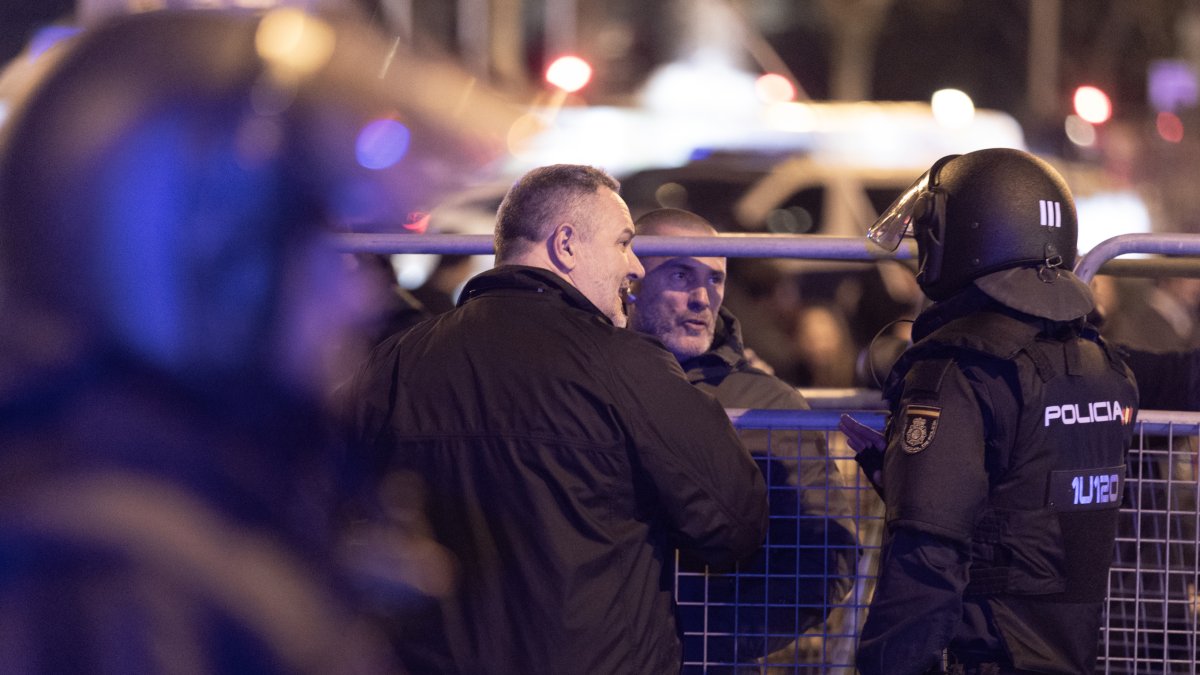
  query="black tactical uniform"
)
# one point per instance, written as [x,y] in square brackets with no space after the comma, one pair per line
[1006,447]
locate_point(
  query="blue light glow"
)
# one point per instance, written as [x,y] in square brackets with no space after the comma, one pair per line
[49,36]
[382,143]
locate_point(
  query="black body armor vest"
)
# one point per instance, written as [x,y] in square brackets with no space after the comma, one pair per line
[1042,547]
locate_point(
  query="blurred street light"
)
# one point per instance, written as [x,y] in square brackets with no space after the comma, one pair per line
[569,73]
[1079,131]
[1092,105]
[774,88]
[952,108]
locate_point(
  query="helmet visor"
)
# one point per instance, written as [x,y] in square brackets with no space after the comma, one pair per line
[889,228]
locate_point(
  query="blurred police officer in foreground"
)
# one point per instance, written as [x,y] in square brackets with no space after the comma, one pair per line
[173,308]
[1005,451]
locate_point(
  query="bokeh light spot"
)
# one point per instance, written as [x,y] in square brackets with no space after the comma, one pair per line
[417,221]
[382,143]
[1169,126]
[293,42]
[523,132]
[569,73]
[1092,105]
[671,195]
[792,220]
[1079,131]
[952,108]
[774,88]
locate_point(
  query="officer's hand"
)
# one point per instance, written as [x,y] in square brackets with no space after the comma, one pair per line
[868,446]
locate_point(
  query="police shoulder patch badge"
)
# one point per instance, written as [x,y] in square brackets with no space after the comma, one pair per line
[920,425]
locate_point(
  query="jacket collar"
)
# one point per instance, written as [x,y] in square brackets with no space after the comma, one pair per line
[727,352]
[508,279]
[969,301]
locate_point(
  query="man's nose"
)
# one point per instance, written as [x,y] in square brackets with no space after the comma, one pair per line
[636,271]
[698,299]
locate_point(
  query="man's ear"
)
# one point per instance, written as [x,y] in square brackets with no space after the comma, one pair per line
[564,247]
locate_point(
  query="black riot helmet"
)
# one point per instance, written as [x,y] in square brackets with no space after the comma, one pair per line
[170,181]
[1000,218]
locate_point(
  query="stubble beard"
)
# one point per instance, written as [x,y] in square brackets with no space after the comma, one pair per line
[672,334]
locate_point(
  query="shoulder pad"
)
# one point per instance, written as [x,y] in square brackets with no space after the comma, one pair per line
[988,334]
[916,375]
[925,377]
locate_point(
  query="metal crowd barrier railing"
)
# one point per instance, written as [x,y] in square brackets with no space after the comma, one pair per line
[1151,614]
[1099,260]
[1151,618]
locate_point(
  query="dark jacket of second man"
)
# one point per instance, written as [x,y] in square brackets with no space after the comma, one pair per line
[563,464]
[811,550]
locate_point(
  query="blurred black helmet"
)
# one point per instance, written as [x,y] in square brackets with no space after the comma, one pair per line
[169,181]
[1000,218]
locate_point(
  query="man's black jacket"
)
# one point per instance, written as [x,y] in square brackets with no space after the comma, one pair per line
[564,458]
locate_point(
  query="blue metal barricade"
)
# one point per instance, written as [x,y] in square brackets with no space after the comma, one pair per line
[800,246]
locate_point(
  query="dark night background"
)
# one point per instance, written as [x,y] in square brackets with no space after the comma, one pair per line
[975,45]
[913,48]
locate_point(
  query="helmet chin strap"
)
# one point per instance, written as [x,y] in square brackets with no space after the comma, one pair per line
[933,243]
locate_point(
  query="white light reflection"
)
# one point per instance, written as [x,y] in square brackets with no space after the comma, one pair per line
[774,88]
[1079,131]
[1105,215]
[798,117]
[952,108]
[569,73]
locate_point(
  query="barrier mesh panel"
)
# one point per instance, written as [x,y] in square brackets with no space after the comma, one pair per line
[797,607]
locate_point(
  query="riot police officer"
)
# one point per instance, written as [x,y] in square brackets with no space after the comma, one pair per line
[175,312]
[1005,451]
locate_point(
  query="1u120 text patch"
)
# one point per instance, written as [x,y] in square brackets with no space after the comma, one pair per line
[1086,489]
